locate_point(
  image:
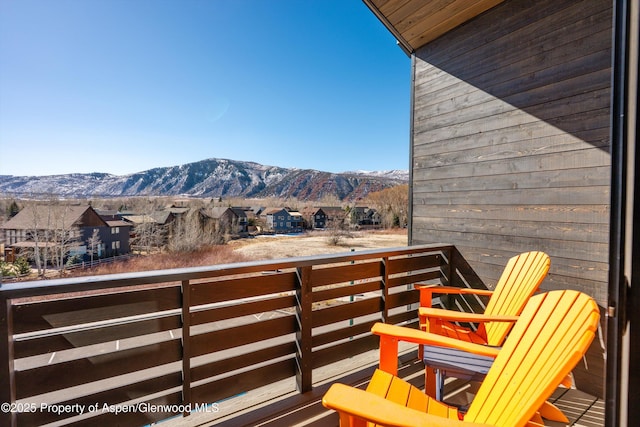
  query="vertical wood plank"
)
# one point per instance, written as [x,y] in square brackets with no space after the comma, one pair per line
[385,289]
[8,390]
[304,308]
[186,344]
[446,263]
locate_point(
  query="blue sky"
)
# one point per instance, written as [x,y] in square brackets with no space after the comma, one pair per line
[121,86]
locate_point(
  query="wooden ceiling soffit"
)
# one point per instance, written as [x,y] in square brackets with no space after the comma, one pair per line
[415,23]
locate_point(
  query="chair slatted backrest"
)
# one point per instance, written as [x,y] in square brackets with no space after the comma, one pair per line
[521,277]
[553,332]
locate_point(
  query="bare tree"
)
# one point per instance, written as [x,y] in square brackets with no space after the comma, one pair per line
[392,204]
[336,231]
[39,234]
[329,200]
[52,233]
[188,234]
[65,236]
[147,234]
[94,243]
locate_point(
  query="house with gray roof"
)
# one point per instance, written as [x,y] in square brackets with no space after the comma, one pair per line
[282,220]
[50,226]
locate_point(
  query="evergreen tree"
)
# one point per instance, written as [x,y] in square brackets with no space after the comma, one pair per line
[13,209]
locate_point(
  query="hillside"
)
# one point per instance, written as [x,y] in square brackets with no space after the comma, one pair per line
[208,178]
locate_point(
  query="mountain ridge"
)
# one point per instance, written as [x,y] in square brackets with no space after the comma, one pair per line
[209,178]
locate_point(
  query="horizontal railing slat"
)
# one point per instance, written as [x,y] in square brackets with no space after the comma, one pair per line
[96,367]
[346,311]
[215,314]
[427,276]
[344,350]
[236,362]
[342,333]
[247,287]
[346,290]
[224,339]
[81,309]
[236,384]
[402,318]
[108,397]
[413,263]
[69,340]
[400,299]
[140,417]
[362,270]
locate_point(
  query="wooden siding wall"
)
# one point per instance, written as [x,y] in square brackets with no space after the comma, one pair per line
[510,147]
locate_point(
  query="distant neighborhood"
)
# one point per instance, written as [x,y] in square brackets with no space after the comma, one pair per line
[64,234]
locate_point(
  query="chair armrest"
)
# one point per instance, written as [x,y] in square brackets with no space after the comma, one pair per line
[374,408]
[436,289]
[400,333]
[460,316]
[427,291]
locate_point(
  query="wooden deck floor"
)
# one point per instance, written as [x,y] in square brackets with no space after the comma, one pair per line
[280,405]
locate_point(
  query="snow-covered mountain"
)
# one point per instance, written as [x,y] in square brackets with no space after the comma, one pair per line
[208,178]
[402,175]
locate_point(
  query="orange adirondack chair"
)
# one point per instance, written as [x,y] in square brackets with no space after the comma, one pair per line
[520,279]
[550,337]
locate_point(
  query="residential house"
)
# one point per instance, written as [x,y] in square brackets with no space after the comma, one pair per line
[149,231]
[241,220]
[335,216]
[282,220]
[257,210]
[314,218]
[252,220]
[364,216]
[115,239]
[224,219]
[177,211]
[374,217]
[70,228]
[119,235]
[163,217]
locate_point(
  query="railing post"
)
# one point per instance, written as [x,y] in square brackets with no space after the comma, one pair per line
[186,344]
[449,268]
[304,309]
[385,289]
[8,390]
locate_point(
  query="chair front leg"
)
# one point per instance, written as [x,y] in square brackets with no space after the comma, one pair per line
[426,296]
[432,382]
[347,420]
[389,354]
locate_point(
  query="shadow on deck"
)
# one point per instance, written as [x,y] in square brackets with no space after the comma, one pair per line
[274,406]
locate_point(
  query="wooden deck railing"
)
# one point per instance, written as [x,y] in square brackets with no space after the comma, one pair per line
[136,348]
